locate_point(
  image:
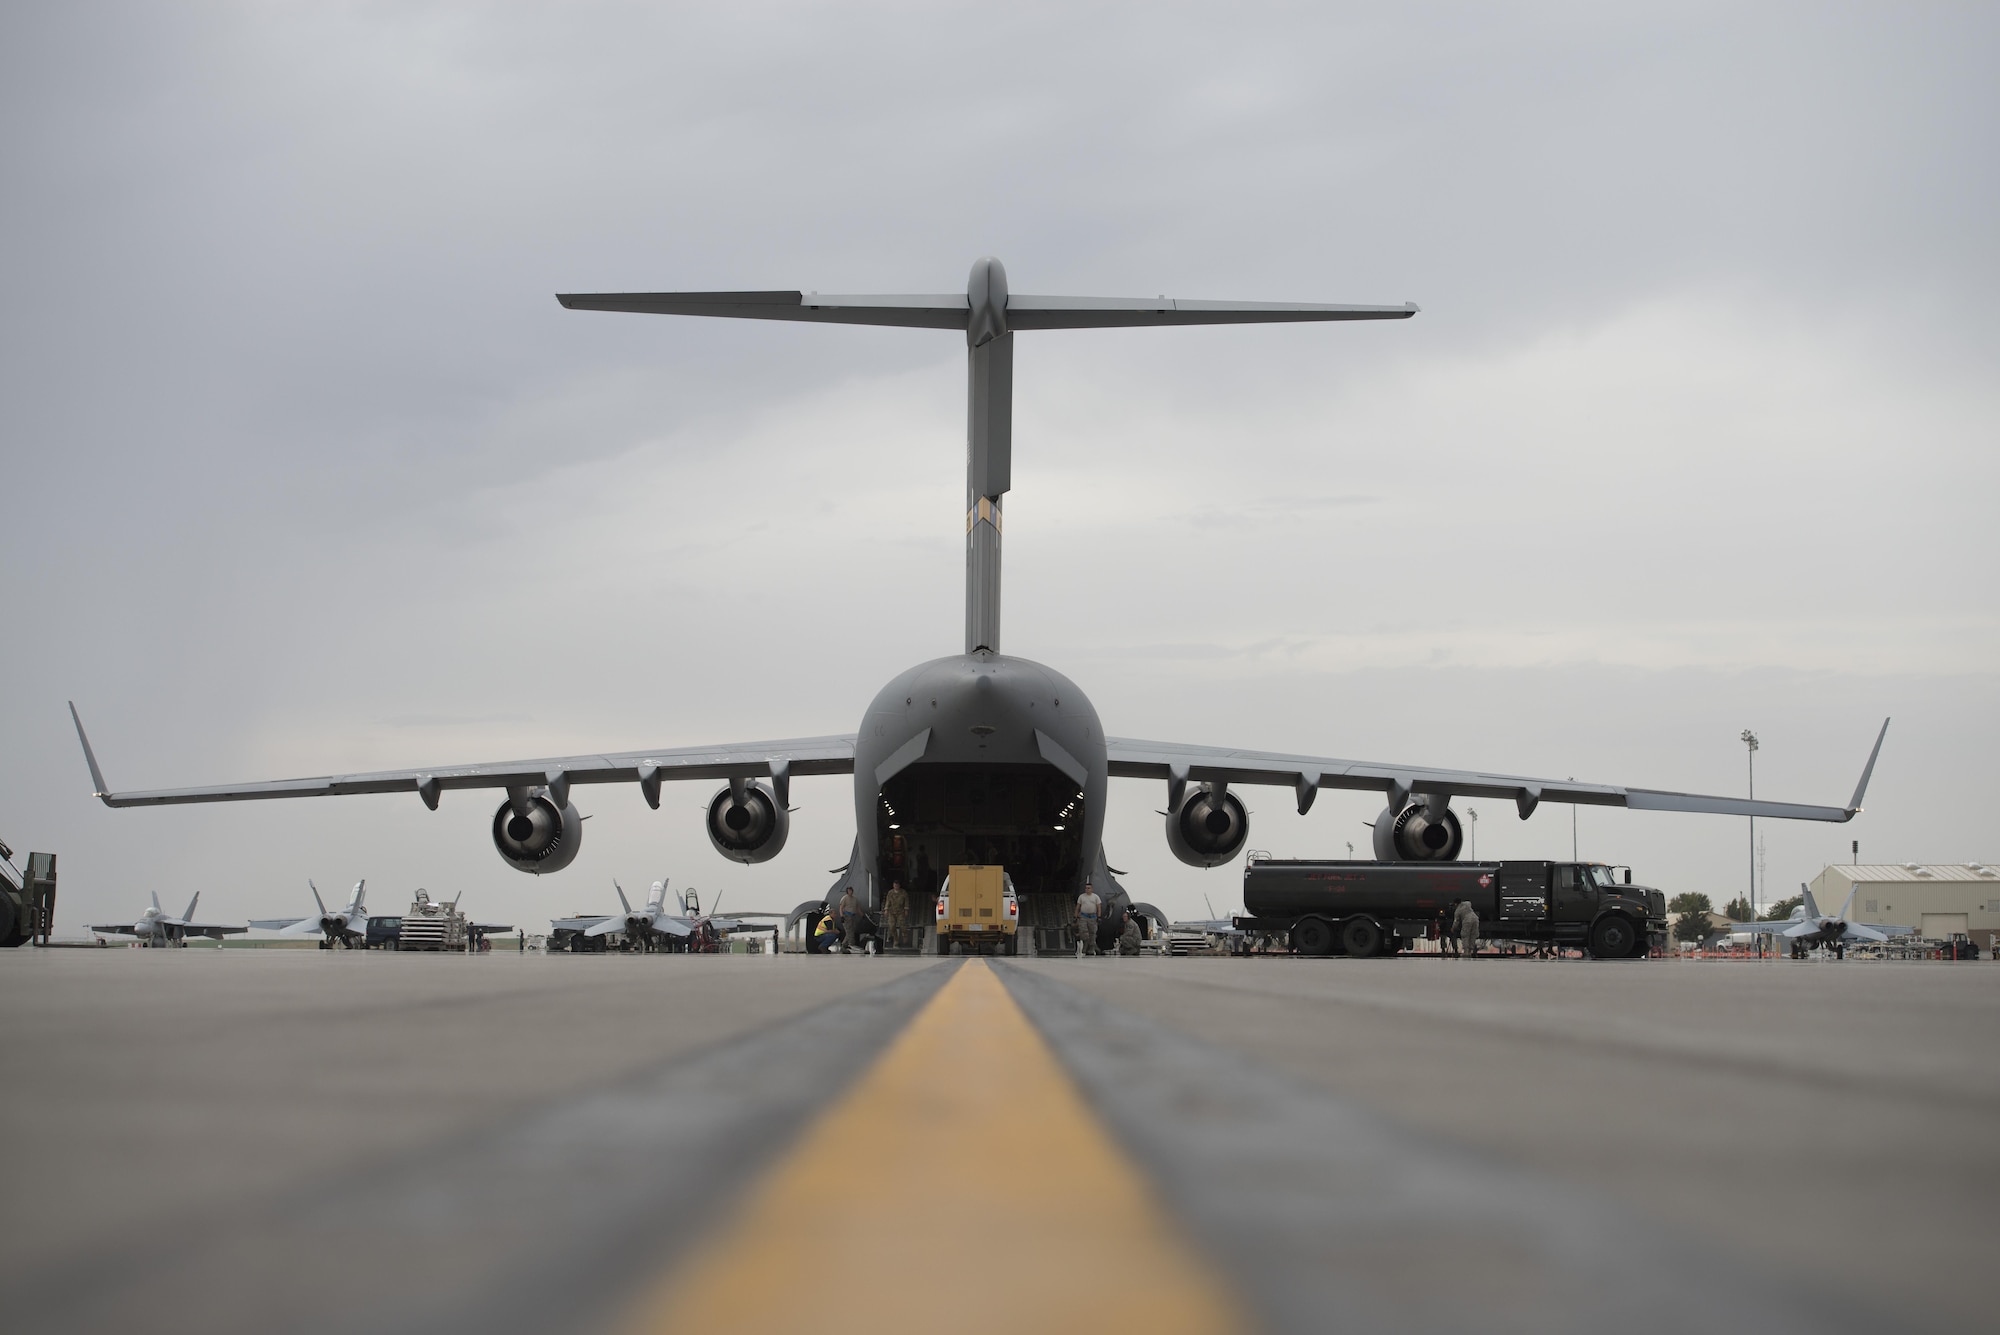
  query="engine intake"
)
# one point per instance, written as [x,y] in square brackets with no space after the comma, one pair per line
[1413,835]
[752,829]
[546,839]
[1207,829]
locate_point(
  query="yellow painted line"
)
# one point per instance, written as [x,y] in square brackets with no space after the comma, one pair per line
[962,1185]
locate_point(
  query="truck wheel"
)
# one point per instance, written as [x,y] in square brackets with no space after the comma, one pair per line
[1361,937]
[1312,936]
[1612,937]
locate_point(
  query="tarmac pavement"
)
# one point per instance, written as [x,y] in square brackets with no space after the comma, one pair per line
[240,1140]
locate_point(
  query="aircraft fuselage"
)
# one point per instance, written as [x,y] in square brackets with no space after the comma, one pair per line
[981,758]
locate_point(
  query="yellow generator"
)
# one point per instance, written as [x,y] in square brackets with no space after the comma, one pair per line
[976,906]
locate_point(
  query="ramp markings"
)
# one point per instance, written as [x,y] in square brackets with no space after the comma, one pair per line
[962,1184]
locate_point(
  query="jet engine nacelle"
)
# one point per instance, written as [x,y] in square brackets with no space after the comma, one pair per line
[749,828]
[544,840]
[1415,835]
[1206,830]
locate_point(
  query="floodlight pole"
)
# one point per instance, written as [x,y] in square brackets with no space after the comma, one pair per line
[1750,745]
[1473,812]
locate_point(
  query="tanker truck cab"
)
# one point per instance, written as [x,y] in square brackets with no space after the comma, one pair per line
[1642,906]
[977,909]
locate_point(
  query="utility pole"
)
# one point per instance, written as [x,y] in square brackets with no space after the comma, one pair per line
[1572,828]
[1763,875]
[1750,742]
[1473,812]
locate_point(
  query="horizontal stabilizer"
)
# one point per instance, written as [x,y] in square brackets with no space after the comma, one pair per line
[951,310]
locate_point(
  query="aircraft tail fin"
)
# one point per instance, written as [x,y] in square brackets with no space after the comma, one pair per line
[189,915]
[1806,897]
[360,889]
[623,902]
[156,900]
[316,899]
[716,907]
[1851,891]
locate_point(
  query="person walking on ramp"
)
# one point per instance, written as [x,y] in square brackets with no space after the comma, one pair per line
[1088,906]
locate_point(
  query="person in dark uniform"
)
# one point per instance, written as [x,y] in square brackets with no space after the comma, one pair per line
[896,908]
[1129,940]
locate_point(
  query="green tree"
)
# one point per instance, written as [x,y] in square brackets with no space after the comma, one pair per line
[1692,910]
[1738,910]
[1783,908]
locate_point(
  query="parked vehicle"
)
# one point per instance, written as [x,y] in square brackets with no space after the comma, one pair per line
[977,911]
[1378,908]
[27,898]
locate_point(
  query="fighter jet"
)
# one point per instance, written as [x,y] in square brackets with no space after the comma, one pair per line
[1808,928]
[654,928]
[348,927]
[156,927]
[977,756]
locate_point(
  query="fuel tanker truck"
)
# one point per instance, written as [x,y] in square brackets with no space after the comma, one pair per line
[1378,908]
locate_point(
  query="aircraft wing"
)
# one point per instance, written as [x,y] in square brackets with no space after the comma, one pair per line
[951,310]
[576,924]
[1876,931]
[1764,927]
[1306,775]
[113,928]
[279,924]
[725,926]
[213,929]
[774,760]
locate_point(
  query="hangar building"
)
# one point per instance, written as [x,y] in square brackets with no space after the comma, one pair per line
[1937,899]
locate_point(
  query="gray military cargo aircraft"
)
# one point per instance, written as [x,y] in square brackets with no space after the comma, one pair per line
[977,756]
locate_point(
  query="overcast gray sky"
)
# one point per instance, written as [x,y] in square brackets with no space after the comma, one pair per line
[305,470]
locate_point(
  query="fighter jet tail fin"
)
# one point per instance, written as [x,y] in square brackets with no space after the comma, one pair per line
[360,889]
[316,899]
[1851,891]
[156,900]
[189,915]
[623,902]
[1806,897]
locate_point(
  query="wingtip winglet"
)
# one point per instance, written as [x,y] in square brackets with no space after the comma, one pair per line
[1867,771]
[99,788]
